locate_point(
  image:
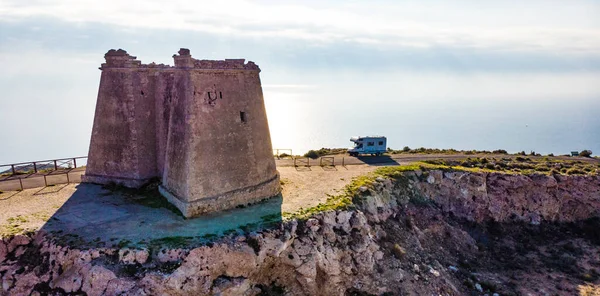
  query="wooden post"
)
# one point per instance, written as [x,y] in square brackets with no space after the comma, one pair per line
[55,166]
[34,167]
[68,181]
[74,163]
[343,162]
[13,168]
[45,181]
[21,182]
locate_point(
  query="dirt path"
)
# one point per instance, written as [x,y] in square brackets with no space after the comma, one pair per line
[304,188]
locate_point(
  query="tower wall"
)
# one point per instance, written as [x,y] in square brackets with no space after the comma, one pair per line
[221,155]
[122,146]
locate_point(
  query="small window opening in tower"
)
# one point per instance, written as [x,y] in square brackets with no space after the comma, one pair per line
[209,98]
[220,95]
[142,92]
[243,116]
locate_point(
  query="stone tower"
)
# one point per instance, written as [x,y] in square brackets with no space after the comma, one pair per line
[200,126]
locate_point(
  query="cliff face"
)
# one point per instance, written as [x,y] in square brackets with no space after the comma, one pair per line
[507,198]
[423,233]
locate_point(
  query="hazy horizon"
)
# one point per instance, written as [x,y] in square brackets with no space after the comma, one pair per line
[467,75]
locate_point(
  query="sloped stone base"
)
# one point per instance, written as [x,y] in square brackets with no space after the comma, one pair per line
[104,180]
[228,200]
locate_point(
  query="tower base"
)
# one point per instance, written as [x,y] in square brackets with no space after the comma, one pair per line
[104,180]
[227,200]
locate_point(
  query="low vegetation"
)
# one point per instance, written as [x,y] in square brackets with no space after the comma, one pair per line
[521,165]
[19,224]
[354,190]
[172,242]
[324,151]
[422,150]
[148,196]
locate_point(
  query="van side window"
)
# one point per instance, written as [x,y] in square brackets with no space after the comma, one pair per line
[380,143]
[370,143]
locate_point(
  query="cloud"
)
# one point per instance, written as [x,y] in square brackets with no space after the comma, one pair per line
[541,26]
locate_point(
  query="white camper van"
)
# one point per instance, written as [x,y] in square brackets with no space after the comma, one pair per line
[374,145]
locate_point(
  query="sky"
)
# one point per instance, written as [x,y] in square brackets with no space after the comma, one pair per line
[323,61]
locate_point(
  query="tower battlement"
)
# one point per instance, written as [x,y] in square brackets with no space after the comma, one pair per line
[199,126]
[121,59]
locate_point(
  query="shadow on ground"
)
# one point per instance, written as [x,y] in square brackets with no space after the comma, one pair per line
[95,216]
[383,160]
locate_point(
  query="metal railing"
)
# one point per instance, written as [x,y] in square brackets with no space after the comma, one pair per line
[301,161]
[327,161]
[34,171]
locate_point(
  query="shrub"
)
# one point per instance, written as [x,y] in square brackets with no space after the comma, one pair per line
[399,252]
[311,154]
[405,149]
[585,153]
[500,151]
[519,158]
[551,154]
[575,171]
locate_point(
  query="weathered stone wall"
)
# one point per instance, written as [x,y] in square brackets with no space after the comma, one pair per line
[122,146]
[200,126]
[220,132]
[164,94]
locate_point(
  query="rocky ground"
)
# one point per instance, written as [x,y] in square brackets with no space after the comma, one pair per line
[415,233]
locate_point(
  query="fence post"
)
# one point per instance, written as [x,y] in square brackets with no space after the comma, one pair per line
[34,167]
[74,163]
[308,161]
[45,181]
[343,161]
[68,181]
[13,168]
[21,182]
[55,166]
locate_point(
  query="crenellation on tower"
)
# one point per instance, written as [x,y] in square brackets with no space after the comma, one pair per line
[199,126]
[120,59]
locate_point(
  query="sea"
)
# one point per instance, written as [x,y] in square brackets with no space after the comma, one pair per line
[465,114]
